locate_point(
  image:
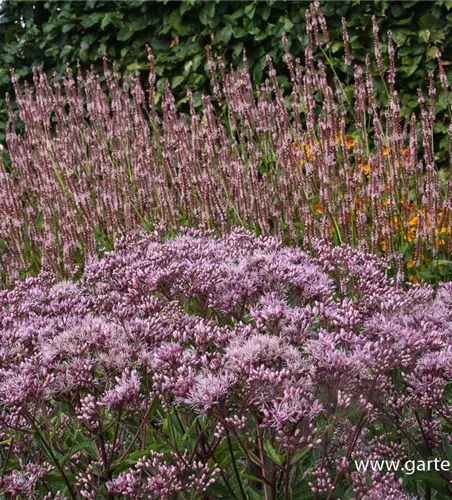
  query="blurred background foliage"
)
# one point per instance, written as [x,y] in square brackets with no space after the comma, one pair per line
[50,34]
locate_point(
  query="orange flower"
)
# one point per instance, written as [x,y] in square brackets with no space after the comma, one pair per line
[413,221]
[307,149]
[410,263]
[318,208]
[412,279]
[405,151]
[359,201]
[411,235]
[383,245]
[365,167]
[295,168]
[350,144]
[386,151]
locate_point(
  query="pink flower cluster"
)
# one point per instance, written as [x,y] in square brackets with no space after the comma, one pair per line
[219,366]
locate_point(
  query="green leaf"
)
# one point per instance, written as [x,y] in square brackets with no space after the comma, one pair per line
[252,494]
[91,20]
[400,35]
[54,476]
[288,24]
[88,40]
[257,72]
[424,35]
[336,46]
[254,478]
[239,32]
[67,27]
[68,49]
[447,448]
[111,18]
[262,35]
[220,490]
[134,3]
[411,50]
[222,455]
[137,66]
[85,444]
[238,14]
[176,81]
[124,34]
[432,51]
[298,456]
[224,35]
[207,13]
[101,50]
[132,458]
[254,458]
[271,452]
[428,21]
[409,3]
[264,10]
[105,21]
[442,262]
[431,478]
[396,9]
[438,36]
[238,47]
[138,25]
[250,10]
[301,491]
[175,20]
[6,19]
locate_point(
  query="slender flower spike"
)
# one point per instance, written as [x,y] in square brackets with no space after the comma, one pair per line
[90,162]
[346,39]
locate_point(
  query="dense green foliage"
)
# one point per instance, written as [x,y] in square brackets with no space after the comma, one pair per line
[49,34]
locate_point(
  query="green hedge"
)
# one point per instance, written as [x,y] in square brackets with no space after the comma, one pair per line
[34,33]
